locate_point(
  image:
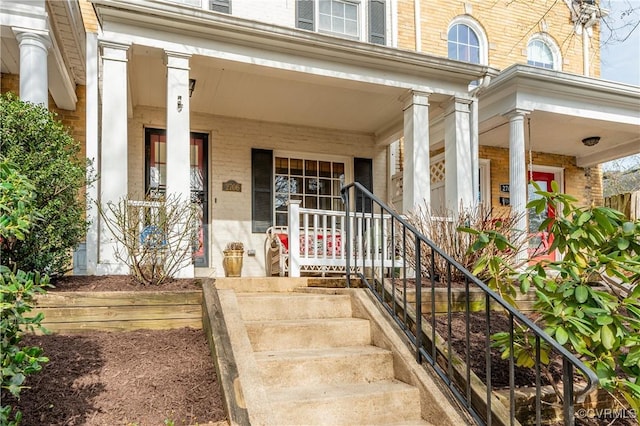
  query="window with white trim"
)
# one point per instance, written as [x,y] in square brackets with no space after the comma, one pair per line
[339,17]
[543,52]
[467,41]
[463,44]
[316,183]
[355,19]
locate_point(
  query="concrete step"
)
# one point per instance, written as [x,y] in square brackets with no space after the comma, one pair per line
[352,404]
[353,364]
[308,333]
[284,306]
[260,284]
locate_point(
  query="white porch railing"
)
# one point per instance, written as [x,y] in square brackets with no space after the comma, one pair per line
[314,242]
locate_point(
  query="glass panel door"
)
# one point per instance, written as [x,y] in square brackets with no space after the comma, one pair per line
[156,181]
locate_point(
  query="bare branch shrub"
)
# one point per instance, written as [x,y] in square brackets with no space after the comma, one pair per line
[443,229]
[155,236]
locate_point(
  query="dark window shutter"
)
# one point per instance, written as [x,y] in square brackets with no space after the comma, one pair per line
[223,6]
[363,174]
[262,189]
[377,14]
[304,14]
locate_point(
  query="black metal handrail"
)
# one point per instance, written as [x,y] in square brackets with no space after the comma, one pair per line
[427,343]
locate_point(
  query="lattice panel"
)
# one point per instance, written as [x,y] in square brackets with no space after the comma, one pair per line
[437,171]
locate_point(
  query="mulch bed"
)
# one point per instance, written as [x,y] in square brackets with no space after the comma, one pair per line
[143,377]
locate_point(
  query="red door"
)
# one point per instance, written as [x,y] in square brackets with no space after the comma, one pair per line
[540,241]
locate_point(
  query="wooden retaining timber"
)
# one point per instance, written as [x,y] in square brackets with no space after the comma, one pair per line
[477,299]
[78,311]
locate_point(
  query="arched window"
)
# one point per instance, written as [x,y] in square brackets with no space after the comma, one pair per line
[467,41]
[464,44]
[543,52]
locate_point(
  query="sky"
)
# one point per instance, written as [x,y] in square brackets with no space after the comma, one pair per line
[620,60]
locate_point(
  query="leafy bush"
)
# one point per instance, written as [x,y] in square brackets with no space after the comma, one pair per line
[44,152]
[17,291]
[589,300]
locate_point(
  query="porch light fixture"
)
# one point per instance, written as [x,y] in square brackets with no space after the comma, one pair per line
[192,86]
[591,140]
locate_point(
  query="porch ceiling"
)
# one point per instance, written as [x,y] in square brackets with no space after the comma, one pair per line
[562,109]
[237,89]
[562,134]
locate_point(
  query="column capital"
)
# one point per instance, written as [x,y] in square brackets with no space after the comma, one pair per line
[516,113]
[179,60]
[39,38]
[114,51]
[457,104]
[414,97]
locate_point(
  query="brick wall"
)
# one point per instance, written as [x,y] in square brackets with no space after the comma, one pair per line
[230,143]
[88,16]
[583,183]
[508,26]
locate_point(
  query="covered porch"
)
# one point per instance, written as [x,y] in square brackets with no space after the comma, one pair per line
[276,114]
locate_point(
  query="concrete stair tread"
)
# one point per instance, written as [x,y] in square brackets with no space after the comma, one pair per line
[276,306]
[320,366]
[334,391]
[304,321]
[308,333]
[349,403]
[319,352]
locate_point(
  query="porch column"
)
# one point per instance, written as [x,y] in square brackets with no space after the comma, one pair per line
[518,176]
[475,148]
[459,190]
[294,238]
[34,47]
[416,177]
[113,169]
[92,150]
[178,146]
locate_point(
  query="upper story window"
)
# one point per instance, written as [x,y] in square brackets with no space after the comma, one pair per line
[356,19]
[463,44]
[466,41]
[543,52]
[339,17]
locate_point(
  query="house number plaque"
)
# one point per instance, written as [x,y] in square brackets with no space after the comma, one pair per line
[504,187]
[232,185]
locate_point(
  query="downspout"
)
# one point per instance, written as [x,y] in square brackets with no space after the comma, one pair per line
[416,15]
[474,129]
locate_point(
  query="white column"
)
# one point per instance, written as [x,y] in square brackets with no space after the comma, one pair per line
[459,189]
[416,177]
[518,175]
[34,47]
[92,149]
[294,238]
[475,148]
[113,155]
[178,147]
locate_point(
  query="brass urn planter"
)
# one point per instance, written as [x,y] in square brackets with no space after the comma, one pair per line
[232,261]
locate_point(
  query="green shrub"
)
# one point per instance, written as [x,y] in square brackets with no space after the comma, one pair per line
[589,299]
[44,152]
[17,291]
